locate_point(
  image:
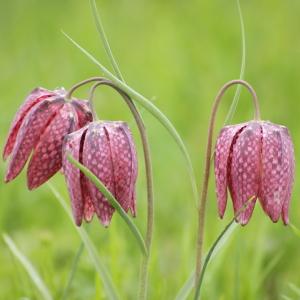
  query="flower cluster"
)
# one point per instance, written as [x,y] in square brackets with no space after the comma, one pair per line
[40,126]
[50,126]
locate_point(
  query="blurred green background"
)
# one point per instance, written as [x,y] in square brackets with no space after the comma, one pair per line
[177,53]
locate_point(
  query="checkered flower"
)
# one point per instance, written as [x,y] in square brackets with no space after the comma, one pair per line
[255,159]
[39,126]
[107,149]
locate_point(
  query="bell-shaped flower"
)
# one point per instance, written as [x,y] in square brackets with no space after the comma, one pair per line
[106,149]
[40,126]
[255,160]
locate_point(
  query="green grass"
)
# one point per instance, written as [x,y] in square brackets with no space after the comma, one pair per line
[178,54]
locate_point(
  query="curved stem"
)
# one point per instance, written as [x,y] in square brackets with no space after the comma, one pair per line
[203,195]
[81,83]
[149,179]
[215,244]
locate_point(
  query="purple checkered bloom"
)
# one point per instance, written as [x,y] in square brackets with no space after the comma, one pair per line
[39,128]
[106,149]
[255,160]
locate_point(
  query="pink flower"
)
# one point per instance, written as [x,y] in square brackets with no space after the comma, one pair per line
[107,149]
[255,159]
[40,125]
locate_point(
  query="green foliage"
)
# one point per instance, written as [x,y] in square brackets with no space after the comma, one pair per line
[179,55]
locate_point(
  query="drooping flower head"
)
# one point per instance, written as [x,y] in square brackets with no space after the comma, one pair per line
[39,126]
[255,159]
[107,149]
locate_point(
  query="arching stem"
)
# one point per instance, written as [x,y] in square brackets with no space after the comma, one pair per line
[203,194]
[148,167]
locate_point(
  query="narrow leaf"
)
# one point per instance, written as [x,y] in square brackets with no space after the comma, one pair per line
[112,200]
[31,271]
[236,98]
[190,283]
[104,39]
[110,289]
[295,289]
[295,230]
[148,105]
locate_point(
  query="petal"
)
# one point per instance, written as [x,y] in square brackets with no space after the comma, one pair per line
[47,157]
[224,144]
[96,157]
[289,148]
[245,171]
[88,206]
[274,170]
[35,97]
[124,163]
[32,128]
[83,111]
[72,144]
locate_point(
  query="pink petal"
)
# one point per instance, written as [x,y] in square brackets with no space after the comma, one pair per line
[289,153]
[32,128]
[88,209]
[124,163]
[83,112]
[222,153]
[47,157]
[35,97]
[97,158]
[274,170]
[245,170]
[72,145]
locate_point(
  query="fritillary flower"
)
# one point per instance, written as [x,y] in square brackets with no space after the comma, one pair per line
[39,127]
[107,149]
[255,159]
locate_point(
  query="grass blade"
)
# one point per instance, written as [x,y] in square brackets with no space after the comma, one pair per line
[295,230]
[236,98]
[33,274]
[73,270]
[188,286]
[148,105]
[104,39]
[295,289]
[112,200]
[110,289]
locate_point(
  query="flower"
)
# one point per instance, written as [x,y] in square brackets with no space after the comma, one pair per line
[40,125]
[255,159]
[107,149]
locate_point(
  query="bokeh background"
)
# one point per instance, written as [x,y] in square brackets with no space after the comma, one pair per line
[178,54]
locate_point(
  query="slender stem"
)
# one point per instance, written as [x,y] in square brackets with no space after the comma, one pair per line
[81,83]
[148,168]
[215,244]
[90,99]
[203,195]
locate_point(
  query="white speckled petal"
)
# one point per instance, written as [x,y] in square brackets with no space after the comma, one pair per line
[97,158]
[244,173]
[124,163]
[222,154]
[289,152]
[72,174]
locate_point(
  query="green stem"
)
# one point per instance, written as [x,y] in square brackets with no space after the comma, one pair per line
[112,200]
[215,244]
[203,195]
[150,107]
[149,179]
